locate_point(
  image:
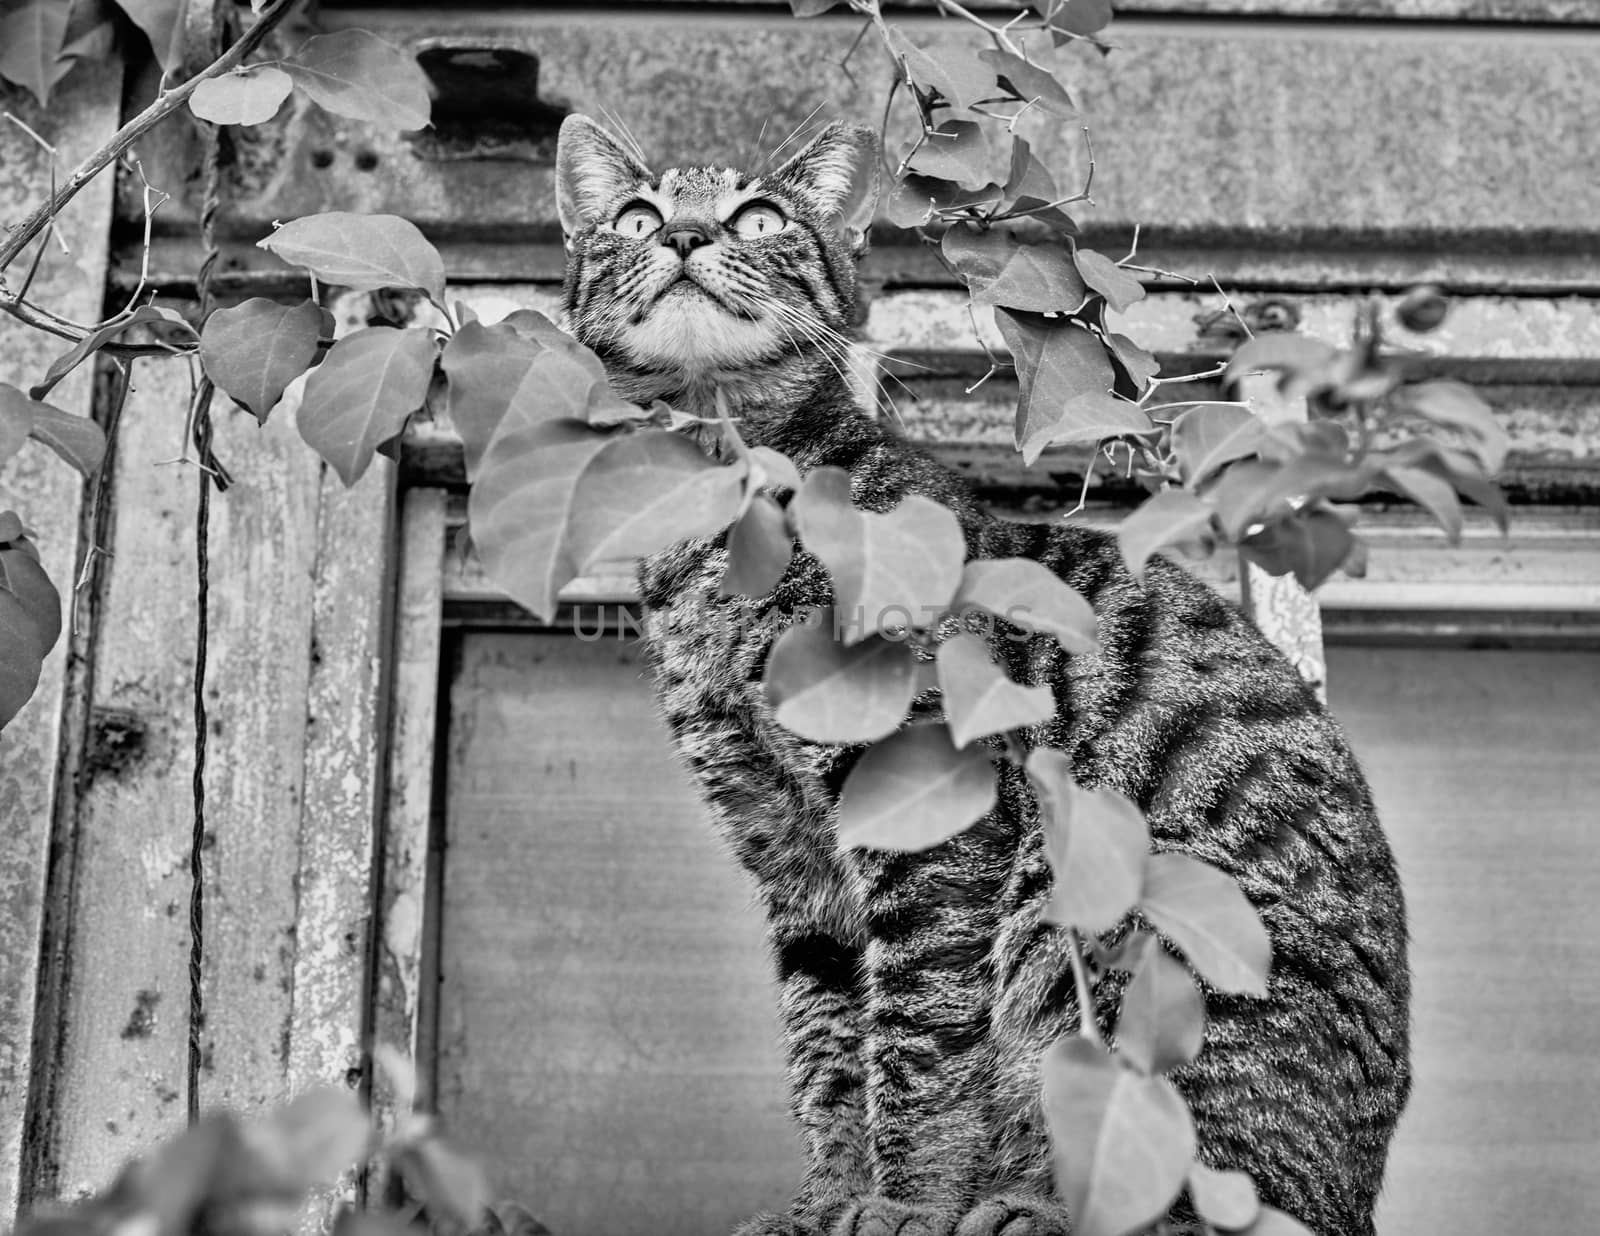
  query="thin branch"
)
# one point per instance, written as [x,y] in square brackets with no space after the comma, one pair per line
[163,106]
[1002,40]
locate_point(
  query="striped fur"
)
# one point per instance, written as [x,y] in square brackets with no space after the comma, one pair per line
[918,991]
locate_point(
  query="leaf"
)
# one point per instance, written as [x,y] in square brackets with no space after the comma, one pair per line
[773,468]
[1080,17]
[811,8]
[519,509]
[1171,517]
[1163,1015]
[829,691]
[1030,180]
[1308,361]
[1311,545]
[162,23]
[959,77]
[23,577]
[1225,1199]
[913,791]
[1097,842]
[31,35]
[1120,287]
[145,315]
[891,570]
[255,349]
[1456,405]
[21,657]
[1057,360]
[1030,83]
[485,367]
[1001,271]
[979,699]
[1090,417]
[1265,491]
[914,198]
[16,420]
[1433,493]
[452,1186]
[362,394]
[759,550]
[957,150]
[356,74]
[76,439]
[1139,364]
[245,96]
[1029,595]
[11,528]
[1205,438]
[360,252]
[1202,911]
[645,491]
[1121,1142]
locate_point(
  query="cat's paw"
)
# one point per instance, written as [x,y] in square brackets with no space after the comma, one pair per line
[1015,1214]
[882,1216]
[774,1225]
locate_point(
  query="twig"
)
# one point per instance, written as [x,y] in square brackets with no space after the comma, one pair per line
[1158,382]
[164,105]
[1228,305]
[1001,39]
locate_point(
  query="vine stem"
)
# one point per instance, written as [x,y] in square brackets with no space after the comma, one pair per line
[164,105]
[1087,1026]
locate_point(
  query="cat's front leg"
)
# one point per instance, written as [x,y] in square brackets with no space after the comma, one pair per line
[819,1008]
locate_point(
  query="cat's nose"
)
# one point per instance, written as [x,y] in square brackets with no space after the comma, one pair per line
[685,235]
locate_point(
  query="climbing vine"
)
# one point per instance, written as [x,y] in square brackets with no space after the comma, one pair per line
[565,474]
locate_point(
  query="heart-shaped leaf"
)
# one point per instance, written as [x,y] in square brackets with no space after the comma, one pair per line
[1431,492]
[255,349]
[162,23]
[1097,842]
[1121,1142]
[957,150]
[145,315]
[1057,360]
[23,577]
[1202,911]
[1311,545]
[889,571]
[1121,288]
[519,510]
[959,77]
[1171,517]
[1206,437]
[1000,270]
[31,34]
[361,252]
[828,691]
[1456,405]
[773,468]
[759,550]
[1075,17]
[1163,1016]
[1305,361]
[913,791]
[21,657]
[245,96]
[914,198]
[1225,1199]
[16,420]
[648,490]
[76,439]
[1030,83]
[361,395]
[1029,595]
[979,699]
[1140,365]
[1091,417]
[356,74]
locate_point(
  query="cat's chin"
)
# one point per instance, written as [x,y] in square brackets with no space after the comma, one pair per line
[691,330]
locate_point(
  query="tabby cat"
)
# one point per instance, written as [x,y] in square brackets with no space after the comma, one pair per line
[919,990]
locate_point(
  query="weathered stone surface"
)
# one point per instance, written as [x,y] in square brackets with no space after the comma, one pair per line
[1326,138]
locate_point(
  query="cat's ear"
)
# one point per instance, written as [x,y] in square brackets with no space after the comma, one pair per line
[837,173]
[593,169]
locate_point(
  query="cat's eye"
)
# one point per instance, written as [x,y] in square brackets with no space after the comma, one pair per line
[638,219]
[758,219]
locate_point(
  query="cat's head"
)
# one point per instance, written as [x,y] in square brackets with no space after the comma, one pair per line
[704,274]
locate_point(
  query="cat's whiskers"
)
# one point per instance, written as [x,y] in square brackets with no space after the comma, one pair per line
[840,352]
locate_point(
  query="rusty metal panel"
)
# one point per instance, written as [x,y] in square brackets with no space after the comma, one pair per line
[49,497]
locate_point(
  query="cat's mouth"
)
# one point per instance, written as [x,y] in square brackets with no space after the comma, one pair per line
[686,285]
